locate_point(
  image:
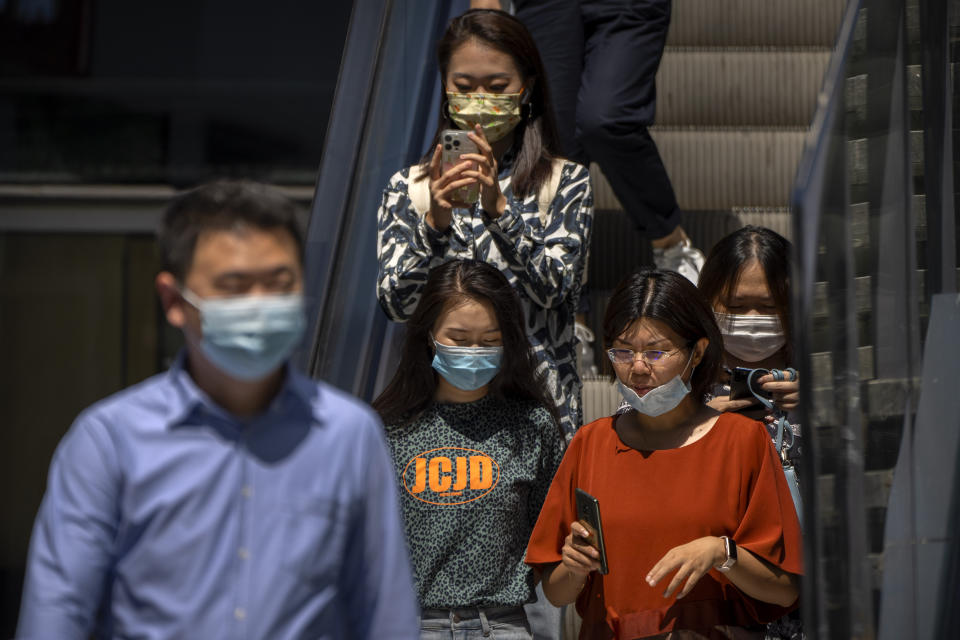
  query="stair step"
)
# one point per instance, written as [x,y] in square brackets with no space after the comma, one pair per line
[624,249]
[600,397]
[722,167]
[749,87]
[774,218]
[755,22]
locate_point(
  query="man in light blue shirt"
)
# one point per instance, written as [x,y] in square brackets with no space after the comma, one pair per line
[230,497]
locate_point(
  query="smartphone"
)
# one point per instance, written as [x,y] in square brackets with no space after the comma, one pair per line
[455,143]
[739,387]
[588,513]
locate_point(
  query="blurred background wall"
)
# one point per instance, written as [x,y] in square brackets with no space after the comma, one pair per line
[106,108]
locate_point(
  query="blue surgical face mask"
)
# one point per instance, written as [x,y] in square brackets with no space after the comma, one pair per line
[658,400]
[467,368]
[249,337]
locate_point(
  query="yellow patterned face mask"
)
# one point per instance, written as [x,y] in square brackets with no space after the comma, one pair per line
[497,113]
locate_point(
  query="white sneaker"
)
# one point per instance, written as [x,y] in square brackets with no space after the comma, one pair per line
[683,257]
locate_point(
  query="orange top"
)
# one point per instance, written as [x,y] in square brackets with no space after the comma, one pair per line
[729,482]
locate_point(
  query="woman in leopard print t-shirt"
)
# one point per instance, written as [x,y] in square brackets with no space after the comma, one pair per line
[476,443]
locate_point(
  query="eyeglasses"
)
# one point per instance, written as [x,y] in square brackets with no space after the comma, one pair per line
[629,356]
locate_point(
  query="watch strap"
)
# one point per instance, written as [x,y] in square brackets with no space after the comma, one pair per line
[730,547]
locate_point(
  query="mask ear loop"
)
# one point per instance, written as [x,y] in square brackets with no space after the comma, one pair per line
[689,360]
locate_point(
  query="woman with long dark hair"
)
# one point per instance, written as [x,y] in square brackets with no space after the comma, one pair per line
[746,279]
[476,443]
[700,533]
[533,210]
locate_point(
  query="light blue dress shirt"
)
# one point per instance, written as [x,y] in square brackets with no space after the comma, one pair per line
[174,519]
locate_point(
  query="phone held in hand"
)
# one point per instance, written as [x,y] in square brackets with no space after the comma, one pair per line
[456,143]
[588,514]
[739,389]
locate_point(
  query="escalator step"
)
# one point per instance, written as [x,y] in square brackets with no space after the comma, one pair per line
[737,87]
[755,22]
[623,249]
[721,168]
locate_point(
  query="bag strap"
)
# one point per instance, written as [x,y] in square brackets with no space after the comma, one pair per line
[418,190]
[549,189]
[782,425]
[545,198]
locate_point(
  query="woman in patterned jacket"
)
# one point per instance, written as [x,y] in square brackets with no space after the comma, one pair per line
[533,215]
[475,443]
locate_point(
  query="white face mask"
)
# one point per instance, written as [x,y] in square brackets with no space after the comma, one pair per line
[751,338]
[658,400]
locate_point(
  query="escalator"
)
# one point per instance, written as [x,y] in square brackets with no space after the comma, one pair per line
[383,117]
[859,175]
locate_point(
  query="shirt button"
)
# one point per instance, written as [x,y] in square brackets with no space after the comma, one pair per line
[240,613]
[243,552]
[247,491]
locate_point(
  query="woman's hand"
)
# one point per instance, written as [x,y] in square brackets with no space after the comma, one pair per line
[443,187]
[724,403]
[578,557]
[491,199]
[786,393]
[691,560]
[563,581]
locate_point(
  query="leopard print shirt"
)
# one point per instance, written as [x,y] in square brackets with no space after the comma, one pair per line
[472,479]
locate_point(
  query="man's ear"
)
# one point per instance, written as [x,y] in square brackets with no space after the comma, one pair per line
[173,303]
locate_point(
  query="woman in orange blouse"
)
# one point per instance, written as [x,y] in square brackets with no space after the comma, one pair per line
[701,535]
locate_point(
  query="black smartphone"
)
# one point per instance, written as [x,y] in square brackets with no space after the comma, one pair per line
[588,513]
[739,388]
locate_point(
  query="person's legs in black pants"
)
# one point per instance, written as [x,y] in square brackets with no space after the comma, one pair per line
[617,102]
[557,29]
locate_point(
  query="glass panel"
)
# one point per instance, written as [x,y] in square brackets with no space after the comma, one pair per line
[876,230]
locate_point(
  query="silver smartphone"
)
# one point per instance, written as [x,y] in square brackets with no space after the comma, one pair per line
[588,513]
[456,143]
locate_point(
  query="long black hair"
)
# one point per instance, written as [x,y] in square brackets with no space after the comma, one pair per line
[413,385]
[535,139]
[670,298]
[727,259]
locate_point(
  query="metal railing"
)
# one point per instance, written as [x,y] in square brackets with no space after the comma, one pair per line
[875,234]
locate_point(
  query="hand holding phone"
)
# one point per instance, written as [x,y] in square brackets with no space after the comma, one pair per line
[455,143]
[741,379]
[588,514]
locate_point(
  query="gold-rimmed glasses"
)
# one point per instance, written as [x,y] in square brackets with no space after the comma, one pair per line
[651,357]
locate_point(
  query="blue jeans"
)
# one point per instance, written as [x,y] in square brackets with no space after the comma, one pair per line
[544,618]
[492,623]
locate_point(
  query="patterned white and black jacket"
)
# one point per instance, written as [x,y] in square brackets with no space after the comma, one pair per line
[541,248]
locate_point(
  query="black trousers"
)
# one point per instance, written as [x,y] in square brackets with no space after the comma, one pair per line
[601,58]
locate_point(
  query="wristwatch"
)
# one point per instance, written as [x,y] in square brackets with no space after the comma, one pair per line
[731,548]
